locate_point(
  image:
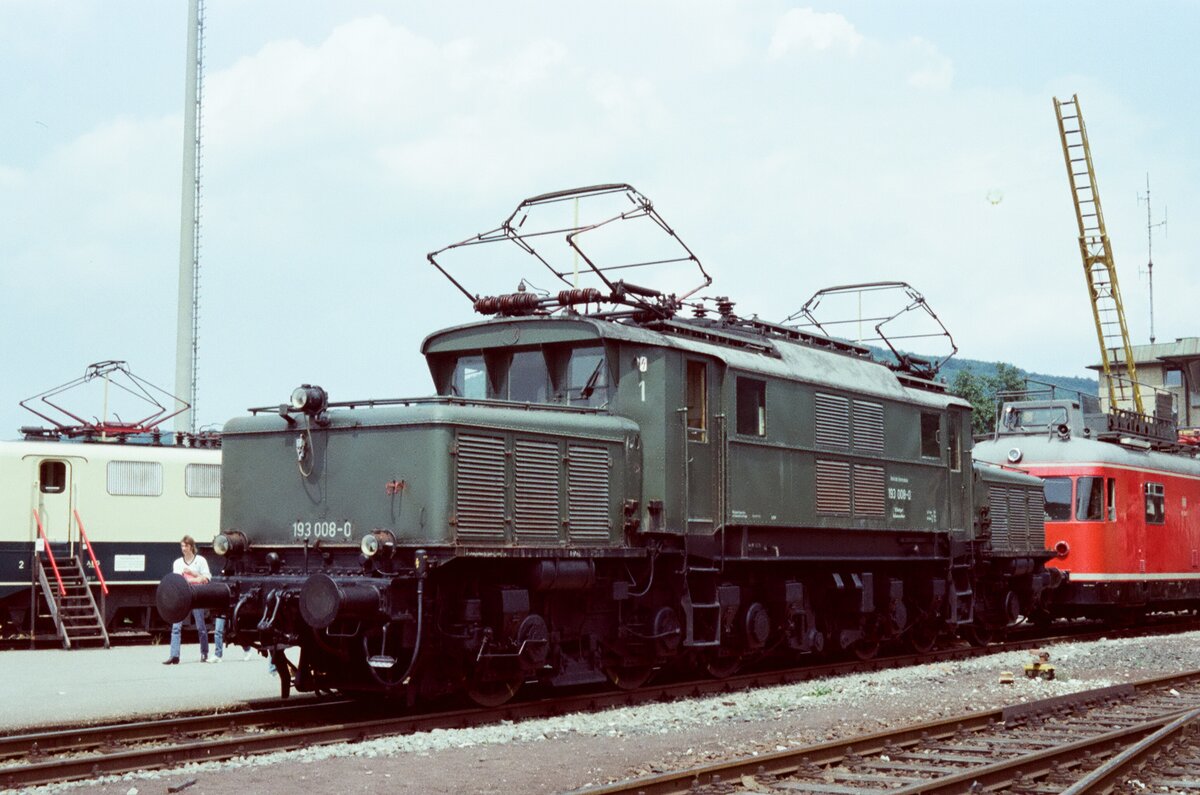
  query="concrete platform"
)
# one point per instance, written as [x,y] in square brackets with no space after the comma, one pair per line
[52,686]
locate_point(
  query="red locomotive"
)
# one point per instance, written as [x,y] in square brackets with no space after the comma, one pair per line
[1122,503]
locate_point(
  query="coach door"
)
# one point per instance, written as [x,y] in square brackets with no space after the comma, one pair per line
[52,484]
[702,434]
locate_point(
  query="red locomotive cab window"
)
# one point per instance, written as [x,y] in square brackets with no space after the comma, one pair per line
[1111,498]
[1089,496]
[1155,503]
[1057,505]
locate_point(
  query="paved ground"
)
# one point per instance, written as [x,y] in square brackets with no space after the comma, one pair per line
[48,687]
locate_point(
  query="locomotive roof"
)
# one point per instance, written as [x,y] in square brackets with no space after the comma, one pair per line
[763,348]
[1042,450]
[105,451]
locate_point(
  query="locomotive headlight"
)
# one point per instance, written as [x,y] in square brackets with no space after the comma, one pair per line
[230,543]
[310,399]
[1014,455]
[376,541]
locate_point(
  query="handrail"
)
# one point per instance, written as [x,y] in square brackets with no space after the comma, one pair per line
[62,589]
[88,544]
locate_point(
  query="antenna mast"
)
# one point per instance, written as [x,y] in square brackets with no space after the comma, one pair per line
[187,329]
[1150,227]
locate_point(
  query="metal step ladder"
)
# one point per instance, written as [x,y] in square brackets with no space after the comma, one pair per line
[69,602]
[701,604]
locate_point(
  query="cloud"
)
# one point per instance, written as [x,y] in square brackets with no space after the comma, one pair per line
[802,29]
[935,71]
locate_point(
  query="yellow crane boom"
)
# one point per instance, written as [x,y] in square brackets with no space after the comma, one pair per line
[1098,266]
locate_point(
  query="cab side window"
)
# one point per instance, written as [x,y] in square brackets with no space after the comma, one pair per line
[52,475]
[1155,503]
[930,433]
[751,407]
[697,402]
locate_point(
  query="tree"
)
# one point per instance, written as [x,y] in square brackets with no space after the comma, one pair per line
[981,392]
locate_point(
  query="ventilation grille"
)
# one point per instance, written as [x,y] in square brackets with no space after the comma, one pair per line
[868,426]
[202,480]
[135,478]
[587,494]
[1018,520]
[1037,520]
[833,421]
[833,488]
[998,512]
[535,495]
[479,488]
[869,491]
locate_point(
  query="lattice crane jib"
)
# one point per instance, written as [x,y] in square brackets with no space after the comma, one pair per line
[1098,266]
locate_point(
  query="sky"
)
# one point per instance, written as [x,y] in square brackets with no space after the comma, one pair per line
[792,146]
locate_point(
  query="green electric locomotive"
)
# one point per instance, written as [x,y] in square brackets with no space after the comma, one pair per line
[599,493]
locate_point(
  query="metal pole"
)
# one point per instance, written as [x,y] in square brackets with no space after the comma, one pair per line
[185,342]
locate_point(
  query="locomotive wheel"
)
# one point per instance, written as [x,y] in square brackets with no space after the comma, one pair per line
[865,648]
[493,692]
[721,666]
[979,635]
[923,636]
[626,676]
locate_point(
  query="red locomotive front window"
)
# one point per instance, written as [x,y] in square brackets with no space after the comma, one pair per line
[1034,418]
[1089,497]
[1058,499]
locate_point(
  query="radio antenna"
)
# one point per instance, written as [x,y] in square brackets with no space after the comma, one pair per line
[1150,227]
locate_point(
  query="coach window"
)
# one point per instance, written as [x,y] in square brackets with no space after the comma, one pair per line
[1155,503]
[1111,498]
[930,435]
[751,407]
[697,402]
[470,378]
[1058,499]
[52,475]
[1089,495]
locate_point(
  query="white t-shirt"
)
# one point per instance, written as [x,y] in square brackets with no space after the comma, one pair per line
[194,572]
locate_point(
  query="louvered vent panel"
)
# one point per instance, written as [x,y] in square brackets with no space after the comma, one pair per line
[868,426]
[587,494]
[1037,520]
[998,511]
[479,488]
[833,488]
[535,496]
[869,491]
[1018,519]
[833,421]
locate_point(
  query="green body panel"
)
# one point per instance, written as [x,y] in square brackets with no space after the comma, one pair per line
[769,481]
[394,468]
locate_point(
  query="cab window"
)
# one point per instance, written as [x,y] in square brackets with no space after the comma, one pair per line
[529,378]
[470,378]
[52,475]
[1058,499]
[930,435]
[1033,418]
[1155,503]
[751,407]
[1089,497]
[697,402]
[587,377]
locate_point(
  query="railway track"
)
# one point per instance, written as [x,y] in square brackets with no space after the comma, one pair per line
[1087,742]
[75,752]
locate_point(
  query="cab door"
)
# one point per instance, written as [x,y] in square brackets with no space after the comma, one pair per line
[959,482]
[52,500]
[701,442]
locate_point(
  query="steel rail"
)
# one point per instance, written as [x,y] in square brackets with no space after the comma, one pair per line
[790,762]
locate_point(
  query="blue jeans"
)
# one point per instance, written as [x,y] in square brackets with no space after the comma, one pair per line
[201,629]
[219,636]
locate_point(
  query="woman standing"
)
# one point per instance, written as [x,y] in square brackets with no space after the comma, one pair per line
[194,569]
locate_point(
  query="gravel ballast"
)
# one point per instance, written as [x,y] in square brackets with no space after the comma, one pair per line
[574,751]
